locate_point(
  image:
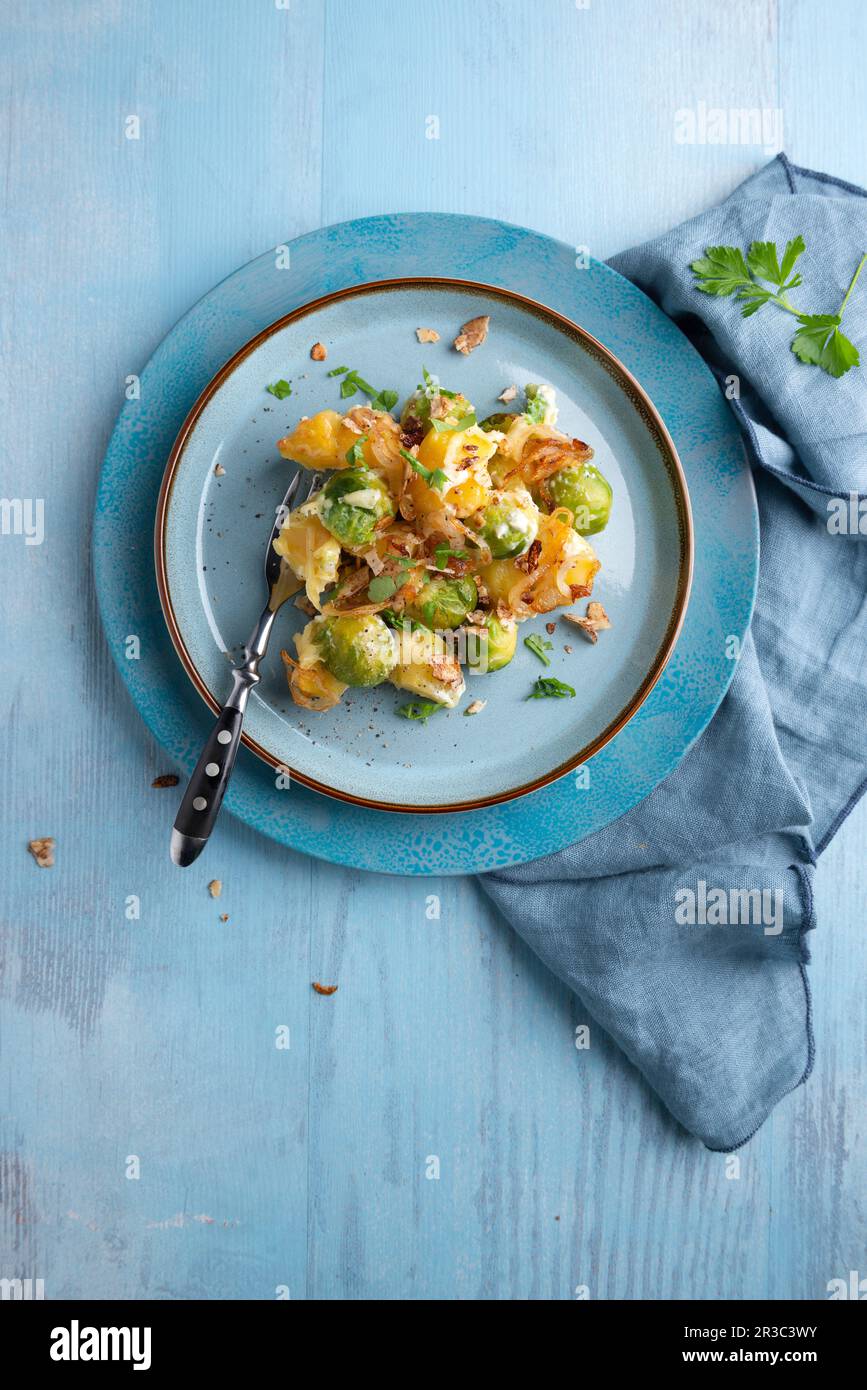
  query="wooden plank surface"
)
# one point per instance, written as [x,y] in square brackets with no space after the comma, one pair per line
[309,1169]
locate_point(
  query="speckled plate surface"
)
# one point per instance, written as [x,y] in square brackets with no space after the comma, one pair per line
[601,302]
[363,751]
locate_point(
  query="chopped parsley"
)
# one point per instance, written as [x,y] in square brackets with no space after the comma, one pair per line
[435,478]
[446,427]
[352,382]
[549,688]
[281,389]
[355,455]
[420,710]
[400,620]
[381,588]
[442,555]
[538,645]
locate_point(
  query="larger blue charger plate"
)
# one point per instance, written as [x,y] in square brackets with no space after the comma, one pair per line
[645,341]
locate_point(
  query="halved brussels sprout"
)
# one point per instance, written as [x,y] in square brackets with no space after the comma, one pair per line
[356,651]
[586,493]
[495,647]
[352,503]
[428,668]
[508,524]
[444,601]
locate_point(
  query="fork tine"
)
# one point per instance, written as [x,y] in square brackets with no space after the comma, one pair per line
[313,485]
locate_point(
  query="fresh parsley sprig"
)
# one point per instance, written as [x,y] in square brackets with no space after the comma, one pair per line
[724,271]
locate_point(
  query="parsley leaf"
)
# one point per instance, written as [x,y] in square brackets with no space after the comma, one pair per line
[355,455]
[352,382]
[436,479]
[549,688]
[721,270]
[820,342]
[420,710]
[400,620]
[381,588]
[442,555]
[386,400]
[281,389]
[538,646]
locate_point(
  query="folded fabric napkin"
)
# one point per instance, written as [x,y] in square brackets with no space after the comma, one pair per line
[717,1017]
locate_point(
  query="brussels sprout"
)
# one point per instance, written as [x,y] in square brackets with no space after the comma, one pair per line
[418,407]
[444,602]
[357,651]
[541,404]
[496,646]
[501,420]
[586,493]
[351,504]
[508,524]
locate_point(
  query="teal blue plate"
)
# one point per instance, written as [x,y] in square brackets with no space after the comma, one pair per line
[364,751]
[214,537]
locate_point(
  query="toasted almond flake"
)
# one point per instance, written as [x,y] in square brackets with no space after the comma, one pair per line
[508,395]
[219,471]
[596,613]
[319,352]
[473,334]
[476,707]
[596,621]
[215,887]
[165,779]
[324,989]
[42,851]
[427,335]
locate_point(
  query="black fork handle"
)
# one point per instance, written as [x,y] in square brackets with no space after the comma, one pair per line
[204,795]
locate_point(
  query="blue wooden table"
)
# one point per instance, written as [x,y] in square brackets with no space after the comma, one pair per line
[181,1115]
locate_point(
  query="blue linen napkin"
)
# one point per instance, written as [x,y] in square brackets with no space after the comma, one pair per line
[717,1017]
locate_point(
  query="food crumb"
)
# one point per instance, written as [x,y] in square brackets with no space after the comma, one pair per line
[165,779]
[596,621]
[427,335]
[550,628]
[476,707]
[319,352]
[219,471]
[224,916]
[473,334]
[42,851]
[567,649]
[324,989]
[508,395]
[215,887]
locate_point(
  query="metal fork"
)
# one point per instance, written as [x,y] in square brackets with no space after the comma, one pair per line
[204,795]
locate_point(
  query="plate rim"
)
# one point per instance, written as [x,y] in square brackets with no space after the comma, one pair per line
[634,392]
